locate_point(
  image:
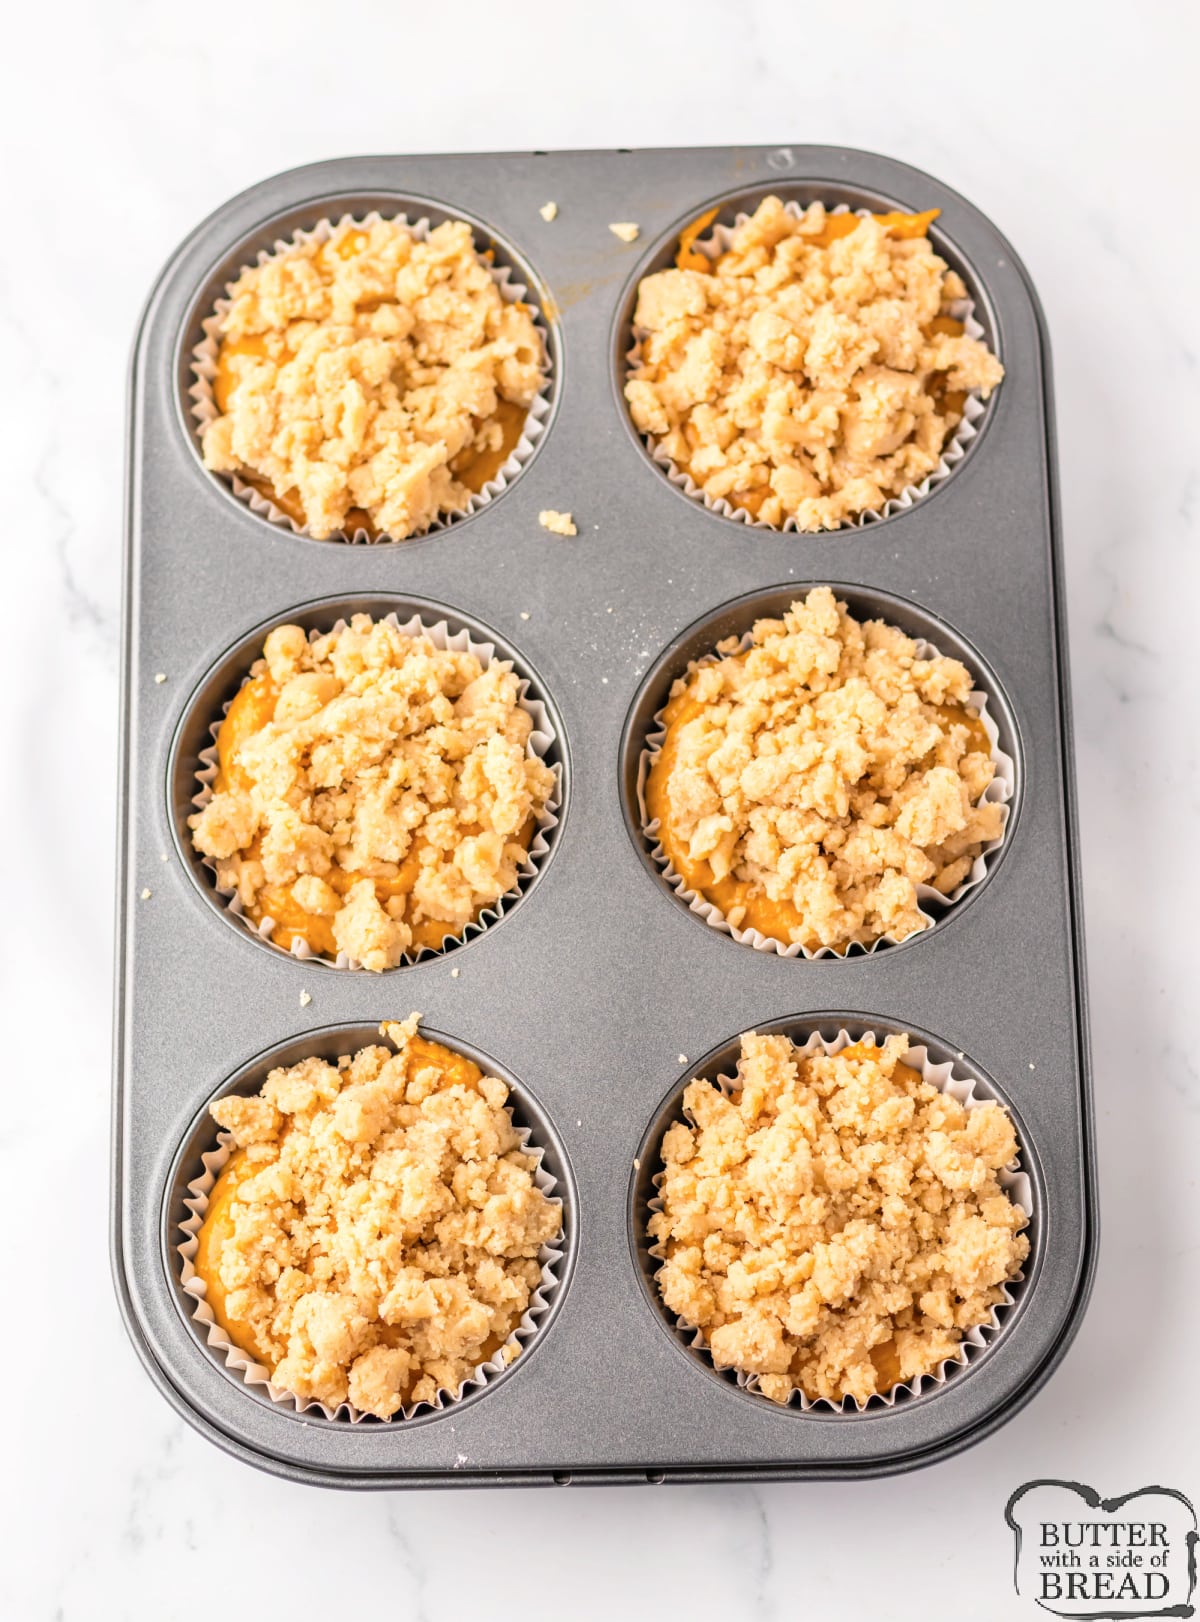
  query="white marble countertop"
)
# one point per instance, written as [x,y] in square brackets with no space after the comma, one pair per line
[1076,130]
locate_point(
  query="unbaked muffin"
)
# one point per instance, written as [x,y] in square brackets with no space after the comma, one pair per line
[812,369]
[375,793]
[807,785]
[375,1235]
[374,379]
[834,1225]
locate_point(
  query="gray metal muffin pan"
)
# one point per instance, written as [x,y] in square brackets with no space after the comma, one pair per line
[588,991]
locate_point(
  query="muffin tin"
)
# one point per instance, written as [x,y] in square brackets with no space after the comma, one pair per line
[597,993]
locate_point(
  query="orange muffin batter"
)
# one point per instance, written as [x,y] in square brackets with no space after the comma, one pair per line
[215,1236]
[473,467]
[373,794]
[904,227]
[374,1236]
[372,381]
[837,1224]
[812,370]
[806,786]
[252,709]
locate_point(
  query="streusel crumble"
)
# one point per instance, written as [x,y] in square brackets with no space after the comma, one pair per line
[811,371]
[372,380]
[837,1224]
[375,793]
[807,785]
[374,1237]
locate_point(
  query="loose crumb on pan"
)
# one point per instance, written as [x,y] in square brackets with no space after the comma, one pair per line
[146,894]
[160,677]
[813,370]
[626,230]
[375,1236]
[357,377]
[375,792]
[549,211]
[305,998]
[557,523]
[807,785]
[837,1224]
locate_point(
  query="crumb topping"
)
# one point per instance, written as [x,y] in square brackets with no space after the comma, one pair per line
[813,370]
[626,230]
[837,1224]
[549,211]
[806,786]
[557,523]
[366,379]
[375,1235]
[375,793]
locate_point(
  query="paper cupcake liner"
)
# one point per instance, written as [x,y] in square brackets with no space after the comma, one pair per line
[1015,1182]
[540,740]
[204,406]
[953,451]
[242,1366]
[1000,791]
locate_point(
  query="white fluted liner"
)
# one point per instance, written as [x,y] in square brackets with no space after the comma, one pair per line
[953,451]
[1000,791]
[540,740]
[250,1372]
[204,366]
[1016,1184]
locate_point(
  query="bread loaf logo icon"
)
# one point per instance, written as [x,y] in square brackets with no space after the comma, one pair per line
[1081,1555]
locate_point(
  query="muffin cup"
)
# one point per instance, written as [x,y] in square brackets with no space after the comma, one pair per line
[540,740]
[245,1368]
[1012,1179]
[204,406]
[712,246]
[1000,791]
